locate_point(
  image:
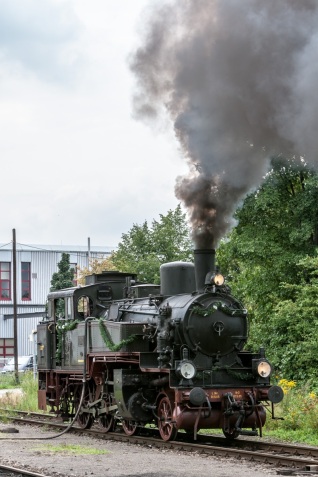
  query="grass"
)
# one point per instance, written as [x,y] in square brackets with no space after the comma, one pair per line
[7,381]
[299,436]
[72,449]
[27,400]
[299,410]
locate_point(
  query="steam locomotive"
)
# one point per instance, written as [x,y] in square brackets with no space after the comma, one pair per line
[116,351]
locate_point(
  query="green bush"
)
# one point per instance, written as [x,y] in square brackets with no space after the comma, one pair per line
[299,410]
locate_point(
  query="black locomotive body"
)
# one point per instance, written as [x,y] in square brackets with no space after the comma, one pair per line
[170,356]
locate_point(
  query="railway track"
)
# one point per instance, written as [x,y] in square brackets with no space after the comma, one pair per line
[9,471]
[288,459]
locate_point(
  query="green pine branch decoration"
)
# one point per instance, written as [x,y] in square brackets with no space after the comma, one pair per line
[218,305]
[62,327]
[108,339]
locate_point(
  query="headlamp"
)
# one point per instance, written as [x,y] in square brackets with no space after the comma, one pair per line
[214,278]
[218,279]
[261,368]
[187,369]
[264,369]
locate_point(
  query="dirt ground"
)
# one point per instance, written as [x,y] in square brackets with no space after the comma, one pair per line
[27,449]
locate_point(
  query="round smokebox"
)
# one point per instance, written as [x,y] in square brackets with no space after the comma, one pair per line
[177,278]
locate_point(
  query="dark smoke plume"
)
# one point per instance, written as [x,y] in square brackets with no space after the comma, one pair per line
[238,81]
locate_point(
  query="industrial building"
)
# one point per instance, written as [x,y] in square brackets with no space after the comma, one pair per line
[35,265]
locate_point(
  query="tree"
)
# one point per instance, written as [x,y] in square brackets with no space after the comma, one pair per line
[65,275]
[95,266]
[143,249]
[171,237]
[295,325]
[276,230]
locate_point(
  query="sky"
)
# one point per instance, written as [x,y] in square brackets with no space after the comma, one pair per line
[112,112]
[75,162]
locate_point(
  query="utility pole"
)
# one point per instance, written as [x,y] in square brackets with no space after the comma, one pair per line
[88,253]
[15,314]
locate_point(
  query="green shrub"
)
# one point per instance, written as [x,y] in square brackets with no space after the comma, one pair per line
[299,410]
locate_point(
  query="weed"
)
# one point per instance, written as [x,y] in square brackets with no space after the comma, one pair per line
[8,381]
[72,449]
[25,398]
[299,410]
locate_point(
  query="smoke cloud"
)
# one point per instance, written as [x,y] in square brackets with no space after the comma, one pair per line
[238,82]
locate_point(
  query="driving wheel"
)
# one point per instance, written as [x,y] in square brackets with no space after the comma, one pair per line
[130,427]
[166,426]
[85,419]
[106,421]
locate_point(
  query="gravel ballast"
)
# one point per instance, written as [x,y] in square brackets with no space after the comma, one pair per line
[24,450]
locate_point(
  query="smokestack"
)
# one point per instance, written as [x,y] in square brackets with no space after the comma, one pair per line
[204,262]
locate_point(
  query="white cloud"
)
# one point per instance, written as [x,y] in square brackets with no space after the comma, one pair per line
[75,164]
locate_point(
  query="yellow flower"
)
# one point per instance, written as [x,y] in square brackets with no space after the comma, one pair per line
[286,385]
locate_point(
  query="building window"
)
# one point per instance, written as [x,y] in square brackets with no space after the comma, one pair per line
[73,266]
[5,281]
[6,347]
[26,280]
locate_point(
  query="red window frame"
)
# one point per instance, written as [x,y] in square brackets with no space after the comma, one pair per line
[25,281]
[5,280]
[6,347]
